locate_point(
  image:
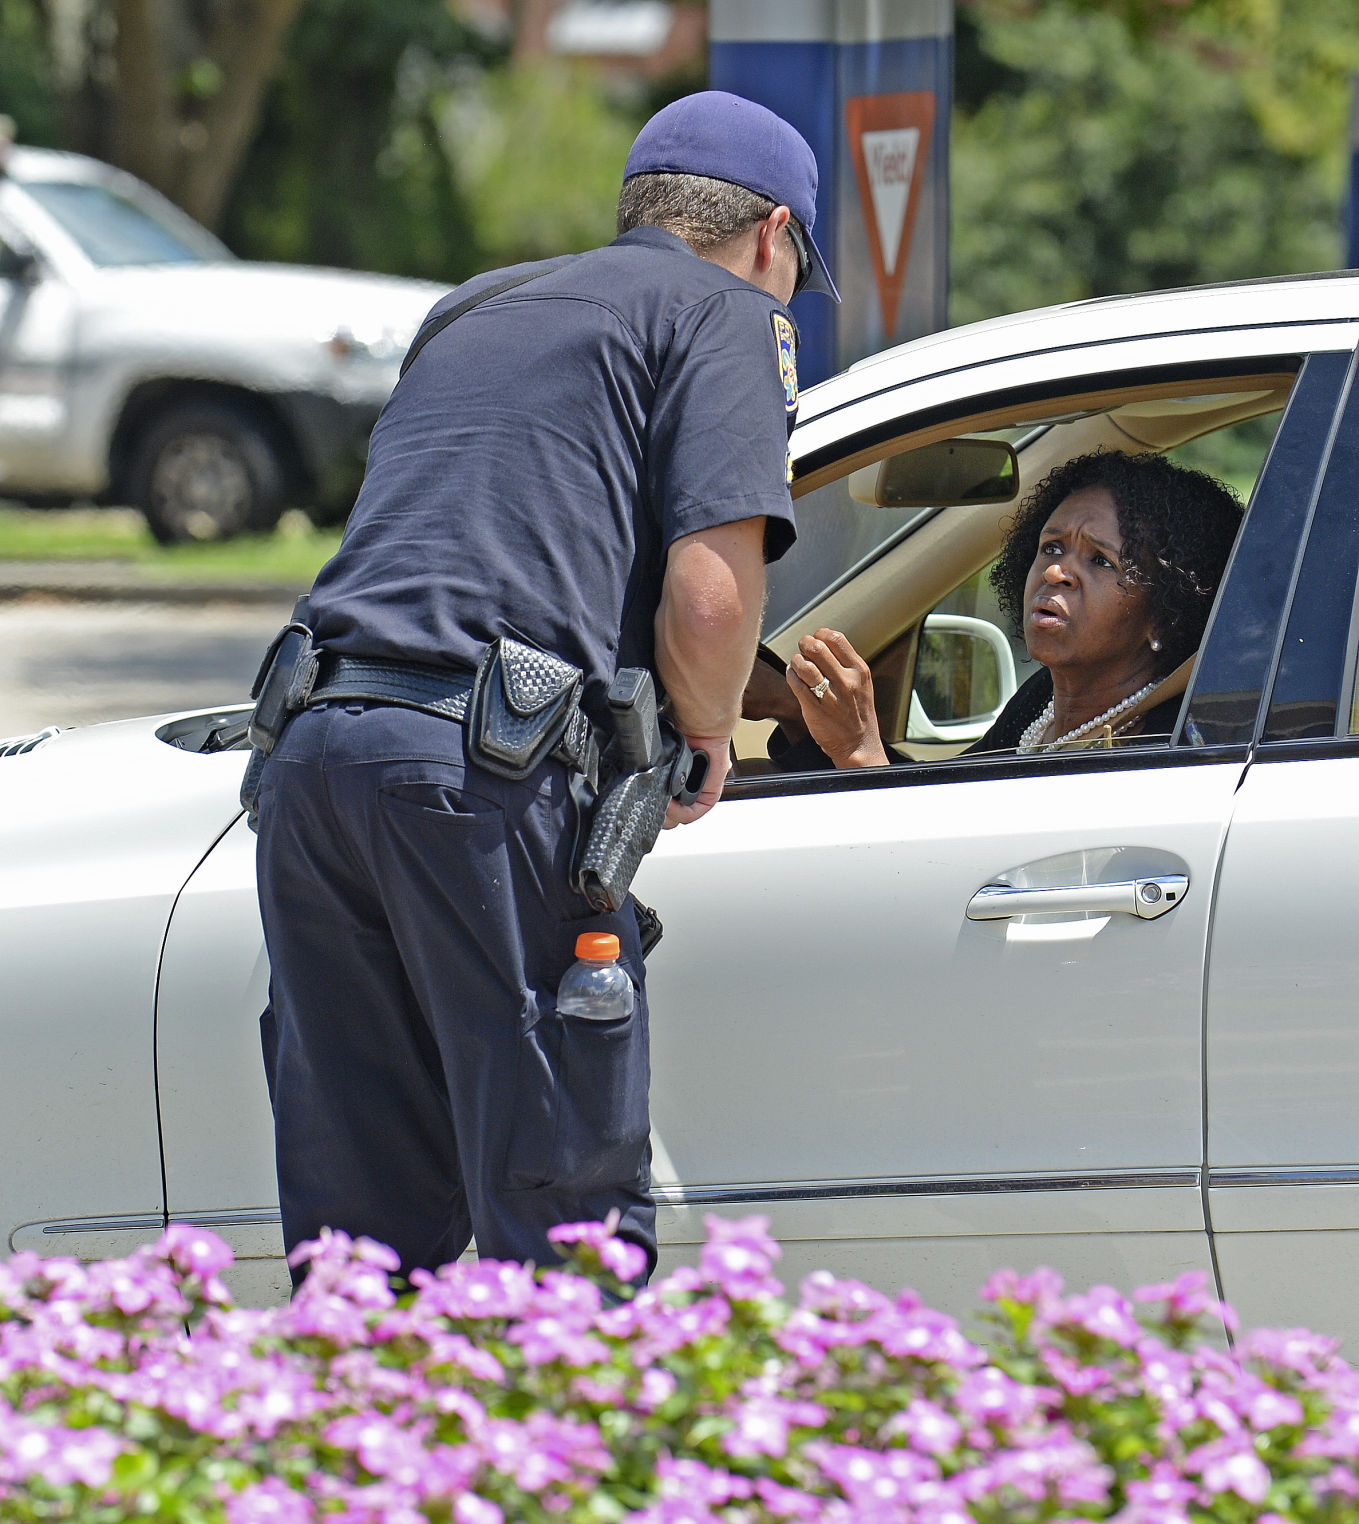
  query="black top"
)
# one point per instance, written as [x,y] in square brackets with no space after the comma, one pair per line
[544,450]
[1027,704]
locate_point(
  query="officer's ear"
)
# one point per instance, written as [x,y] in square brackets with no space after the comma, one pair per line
[768,239]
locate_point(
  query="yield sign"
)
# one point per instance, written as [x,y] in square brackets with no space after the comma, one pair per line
[889,138]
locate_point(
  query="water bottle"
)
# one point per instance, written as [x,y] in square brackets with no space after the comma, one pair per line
[596,986]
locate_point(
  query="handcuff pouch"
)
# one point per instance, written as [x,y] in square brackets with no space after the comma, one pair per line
[522,700]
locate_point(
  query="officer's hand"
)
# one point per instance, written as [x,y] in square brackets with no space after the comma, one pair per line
[718,749]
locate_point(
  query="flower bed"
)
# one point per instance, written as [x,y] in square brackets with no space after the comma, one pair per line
[489,1394]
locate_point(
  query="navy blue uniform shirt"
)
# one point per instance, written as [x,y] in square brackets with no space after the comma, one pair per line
[542,453]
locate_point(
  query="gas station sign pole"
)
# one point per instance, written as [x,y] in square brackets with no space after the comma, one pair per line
[869,84]
[1352,215]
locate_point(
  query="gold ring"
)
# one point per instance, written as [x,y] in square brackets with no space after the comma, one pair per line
[822,688]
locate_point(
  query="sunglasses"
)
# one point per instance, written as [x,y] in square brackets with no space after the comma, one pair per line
[804,258]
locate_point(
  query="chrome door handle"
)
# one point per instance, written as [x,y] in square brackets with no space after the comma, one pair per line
[1145,898]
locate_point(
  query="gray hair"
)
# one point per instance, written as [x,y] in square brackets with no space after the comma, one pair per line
[703,212]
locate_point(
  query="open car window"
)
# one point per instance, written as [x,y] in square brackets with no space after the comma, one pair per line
[907,582]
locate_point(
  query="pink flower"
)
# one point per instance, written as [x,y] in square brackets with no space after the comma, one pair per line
[1041,1290]
[1187,1298]
[1102,1311]
[841,1299]
[788,1502]
[990,1396]
[470,1509]
[1074,1377]
[1293,1348]
[1165,1487]
[657,1386]
[545,1339]
[673,1511]
[61,1457]
[625,1259]
[692,1480]
[763,1423]
[193,1251]
[738,1256]
[928,1427]
[1266,1408]
[487,1289]
[870,1478]
[923,1334]
[1230,1464]
[269,1502]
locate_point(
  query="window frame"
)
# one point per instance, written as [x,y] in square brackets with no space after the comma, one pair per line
[1315,658]
[1272,510]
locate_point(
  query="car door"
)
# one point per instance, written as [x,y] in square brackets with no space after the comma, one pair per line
[913,1094]
[217,1127]
[1282,1010]
[37,341]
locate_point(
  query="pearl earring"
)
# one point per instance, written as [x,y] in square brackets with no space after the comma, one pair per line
[1155,644]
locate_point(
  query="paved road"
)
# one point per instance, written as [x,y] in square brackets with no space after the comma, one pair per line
[64,663]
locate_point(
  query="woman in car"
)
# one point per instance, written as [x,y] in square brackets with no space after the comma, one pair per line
[1108,572]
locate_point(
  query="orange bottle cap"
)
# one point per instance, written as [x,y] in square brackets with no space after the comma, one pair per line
[597,945]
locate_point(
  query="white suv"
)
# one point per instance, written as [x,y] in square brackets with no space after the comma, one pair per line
[141,362]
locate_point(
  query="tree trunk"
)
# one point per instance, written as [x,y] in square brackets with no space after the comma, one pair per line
[245,45]
[144,126]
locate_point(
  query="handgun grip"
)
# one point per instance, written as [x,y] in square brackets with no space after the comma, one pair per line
[688,773]
[636,723]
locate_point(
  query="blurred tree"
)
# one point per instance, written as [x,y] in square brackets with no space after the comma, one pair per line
[169,89]
[1294,58]
[1102,160]
[539,152]
[348,167]
[25,84]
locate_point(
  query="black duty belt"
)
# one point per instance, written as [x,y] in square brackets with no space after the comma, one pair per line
[442,691]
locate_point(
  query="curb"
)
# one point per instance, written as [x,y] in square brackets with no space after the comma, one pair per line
[106,582]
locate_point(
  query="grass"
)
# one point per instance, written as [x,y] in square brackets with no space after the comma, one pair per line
[290,556]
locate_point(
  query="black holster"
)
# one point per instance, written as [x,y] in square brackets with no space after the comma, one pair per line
[650,764]
[282,686]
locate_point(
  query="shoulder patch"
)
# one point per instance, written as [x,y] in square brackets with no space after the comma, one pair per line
[785,336]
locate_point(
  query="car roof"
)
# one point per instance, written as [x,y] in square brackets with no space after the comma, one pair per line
[24,163]
[1326,297]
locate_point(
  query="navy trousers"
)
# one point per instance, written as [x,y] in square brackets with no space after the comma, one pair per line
[418,916]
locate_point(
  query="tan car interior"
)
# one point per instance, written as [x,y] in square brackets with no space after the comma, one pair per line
[881,609]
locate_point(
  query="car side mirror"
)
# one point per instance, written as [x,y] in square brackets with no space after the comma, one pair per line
[953,473]
[17,264]
[964,677]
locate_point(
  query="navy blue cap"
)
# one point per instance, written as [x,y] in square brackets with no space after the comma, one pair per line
[727,137]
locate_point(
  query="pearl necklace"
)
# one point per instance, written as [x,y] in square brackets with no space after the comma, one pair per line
[1029,741]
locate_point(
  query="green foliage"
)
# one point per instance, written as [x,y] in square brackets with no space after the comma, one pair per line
[347,168]
[1295,58]
[540,155]
[1120,164]
[1235,455]
[291,556]
[25,78]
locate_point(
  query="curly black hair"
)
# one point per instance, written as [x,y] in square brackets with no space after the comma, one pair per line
[1177,525]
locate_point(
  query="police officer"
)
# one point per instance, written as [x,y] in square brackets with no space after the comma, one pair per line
[590,459]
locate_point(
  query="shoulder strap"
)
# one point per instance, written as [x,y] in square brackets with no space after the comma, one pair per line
[437,325]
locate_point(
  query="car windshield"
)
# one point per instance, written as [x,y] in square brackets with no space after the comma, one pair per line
[113,230]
